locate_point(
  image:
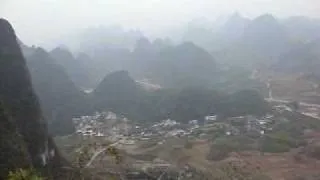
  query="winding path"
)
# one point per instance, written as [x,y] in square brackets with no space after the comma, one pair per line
[97,153]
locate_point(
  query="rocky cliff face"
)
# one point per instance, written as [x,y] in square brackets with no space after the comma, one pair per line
[22,124]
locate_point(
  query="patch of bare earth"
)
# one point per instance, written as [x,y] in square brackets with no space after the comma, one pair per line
[279,166]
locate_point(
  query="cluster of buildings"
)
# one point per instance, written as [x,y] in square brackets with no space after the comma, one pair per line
[251,124]
[120,129]
[94,125]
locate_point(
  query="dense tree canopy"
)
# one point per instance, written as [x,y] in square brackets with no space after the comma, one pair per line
[118,92]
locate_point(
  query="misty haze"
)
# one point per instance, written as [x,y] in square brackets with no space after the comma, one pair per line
[160,90]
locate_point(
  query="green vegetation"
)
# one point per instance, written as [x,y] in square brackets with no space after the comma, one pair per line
[14,153]
[273,146]
[244,102]
[23,129]
[221,147]
[24,174]
[182,66]
[119,93]
[194,86]
[278,142]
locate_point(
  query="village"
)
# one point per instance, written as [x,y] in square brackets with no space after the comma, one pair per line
[172,146]
[116,128]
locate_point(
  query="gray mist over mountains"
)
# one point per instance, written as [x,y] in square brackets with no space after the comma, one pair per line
[48,22]
[176,86]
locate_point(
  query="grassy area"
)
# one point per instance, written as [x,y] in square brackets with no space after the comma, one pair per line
[221,147]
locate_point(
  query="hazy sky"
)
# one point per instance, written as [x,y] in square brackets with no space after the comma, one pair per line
[37,21]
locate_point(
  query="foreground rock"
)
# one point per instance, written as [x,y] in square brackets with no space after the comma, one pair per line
[25,142]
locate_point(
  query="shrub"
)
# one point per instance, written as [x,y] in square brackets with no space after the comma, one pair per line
[277,143]
[24,174]
[274,147]
[218,153]
[223,146]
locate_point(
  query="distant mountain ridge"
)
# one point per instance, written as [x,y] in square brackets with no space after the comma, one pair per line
[266,35]
[59,96]
[182,65]
[75,69]
[119,93]
[304,58]
[262,41]
[259,42]
[239,41]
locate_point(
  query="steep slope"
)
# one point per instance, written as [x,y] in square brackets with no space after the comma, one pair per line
[59,96]
[196,103]
[230,32]
[143,55]
[182,66]
[74,68]
[262,41]
[24,122]
[103,61]
[13,148]
[26,50]
[302,59]
[119,93]
[234,26]
[266,35]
